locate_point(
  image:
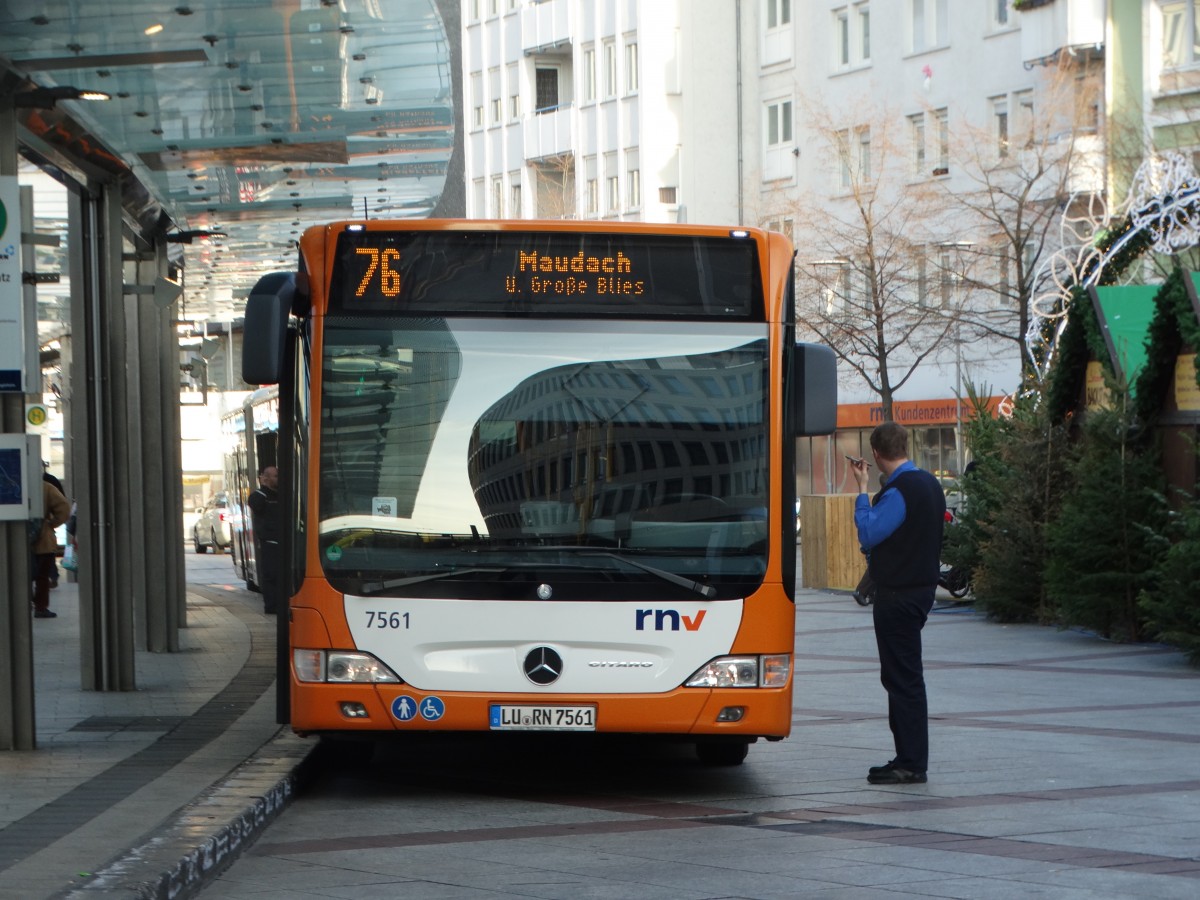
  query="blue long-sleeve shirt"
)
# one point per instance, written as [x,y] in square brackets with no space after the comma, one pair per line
[877,523]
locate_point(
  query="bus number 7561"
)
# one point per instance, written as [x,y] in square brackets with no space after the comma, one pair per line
[379,619]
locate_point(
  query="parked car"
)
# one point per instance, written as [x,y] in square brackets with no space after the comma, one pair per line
[212,527]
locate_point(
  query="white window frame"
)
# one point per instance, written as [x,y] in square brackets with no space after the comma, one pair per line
[477,100]
[589,74]
[941,131]
[919,143]
[1179,19]
[633,179]
[776,41]
[514,195]
[610,69]
[1001,126]
[778,139]
[632,76]
[928,24]
[1000,14]
[514,93]
[852,36]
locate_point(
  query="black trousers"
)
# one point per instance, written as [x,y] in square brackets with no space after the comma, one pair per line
[899,616]
[270,576]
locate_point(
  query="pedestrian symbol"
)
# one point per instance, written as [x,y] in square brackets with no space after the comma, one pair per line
[403,708]
[432,709]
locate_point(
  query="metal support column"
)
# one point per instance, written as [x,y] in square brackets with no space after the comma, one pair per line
[17,729]
[100,432]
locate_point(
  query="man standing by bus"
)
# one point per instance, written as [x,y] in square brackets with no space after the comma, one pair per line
[268,533]
[901,530]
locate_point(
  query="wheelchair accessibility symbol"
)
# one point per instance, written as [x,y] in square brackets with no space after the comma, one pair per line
[432,709]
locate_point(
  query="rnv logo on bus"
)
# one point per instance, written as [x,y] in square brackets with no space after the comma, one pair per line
[668,619]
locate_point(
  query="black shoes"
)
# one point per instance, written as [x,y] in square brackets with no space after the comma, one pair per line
[893,774]
[45,614]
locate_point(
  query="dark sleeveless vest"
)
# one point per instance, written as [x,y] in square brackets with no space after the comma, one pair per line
[910,556]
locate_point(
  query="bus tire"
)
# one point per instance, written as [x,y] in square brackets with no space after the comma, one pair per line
[722,753]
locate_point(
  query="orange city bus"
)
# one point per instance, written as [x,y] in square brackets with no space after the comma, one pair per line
[539,476]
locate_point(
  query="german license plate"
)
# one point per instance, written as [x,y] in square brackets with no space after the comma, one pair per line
[503,717]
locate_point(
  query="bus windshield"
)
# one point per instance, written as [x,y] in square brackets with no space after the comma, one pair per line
[496,458]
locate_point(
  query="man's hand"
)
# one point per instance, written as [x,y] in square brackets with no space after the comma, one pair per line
[859,467]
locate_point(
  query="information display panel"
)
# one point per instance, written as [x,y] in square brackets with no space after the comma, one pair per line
[540,273]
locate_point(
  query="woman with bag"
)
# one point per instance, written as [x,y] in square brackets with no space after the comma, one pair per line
[55,511]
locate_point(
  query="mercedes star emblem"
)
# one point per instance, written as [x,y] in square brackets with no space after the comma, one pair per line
[543,665]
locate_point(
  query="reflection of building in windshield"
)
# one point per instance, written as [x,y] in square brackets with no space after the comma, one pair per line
[384,396]
[680,438]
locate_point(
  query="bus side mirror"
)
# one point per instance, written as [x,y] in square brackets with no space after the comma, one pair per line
[814,390]
[265,328]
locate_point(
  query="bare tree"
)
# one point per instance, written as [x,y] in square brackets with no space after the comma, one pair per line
[1038,154]
[866,284]
[554,184]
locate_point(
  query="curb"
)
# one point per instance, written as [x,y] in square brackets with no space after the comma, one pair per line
[210,833]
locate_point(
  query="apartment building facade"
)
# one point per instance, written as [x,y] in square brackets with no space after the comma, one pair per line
[601,109]
[955,133]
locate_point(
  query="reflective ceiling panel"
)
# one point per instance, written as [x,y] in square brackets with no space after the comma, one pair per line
[251,117]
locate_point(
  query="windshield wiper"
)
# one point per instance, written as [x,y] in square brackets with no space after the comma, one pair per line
[704,590]
[374,587]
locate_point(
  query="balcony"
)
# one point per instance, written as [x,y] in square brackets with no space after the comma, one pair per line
[548,133]
[546,28]
[1074,25]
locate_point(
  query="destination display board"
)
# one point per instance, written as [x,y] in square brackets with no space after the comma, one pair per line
[569,274]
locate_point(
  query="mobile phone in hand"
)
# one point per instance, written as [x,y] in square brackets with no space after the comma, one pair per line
[856,460]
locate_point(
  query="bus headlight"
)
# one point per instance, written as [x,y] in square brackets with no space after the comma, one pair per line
[743,671]
[340,667]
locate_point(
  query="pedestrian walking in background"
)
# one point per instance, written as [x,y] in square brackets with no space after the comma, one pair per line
[901,531]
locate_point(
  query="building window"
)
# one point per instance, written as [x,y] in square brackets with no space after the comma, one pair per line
[591,186]
[477,100]
[633,180]
[779,123]
[864,153]
[612,184]
[668,195]
[1023,122]
[610,69]
[783,226]
[497,197]
[778,146]
[999,9]
[916,132]
[1000,126]
[779,12]
[514,94]
[477,194]
[852,36]
[922,278]
[777,160]
[927,24]
[514,195]
[546,81]
[589,74]
[631,68]
[941,122]
[1181,37]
